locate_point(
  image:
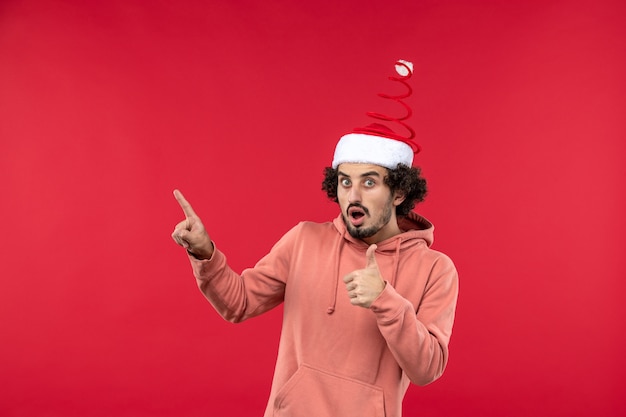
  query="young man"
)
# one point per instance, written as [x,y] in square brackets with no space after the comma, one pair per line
[368,306]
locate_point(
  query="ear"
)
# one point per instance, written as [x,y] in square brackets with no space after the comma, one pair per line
[398,198]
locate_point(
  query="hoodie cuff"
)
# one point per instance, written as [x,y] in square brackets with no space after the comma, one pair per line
[204,269]
[390,305]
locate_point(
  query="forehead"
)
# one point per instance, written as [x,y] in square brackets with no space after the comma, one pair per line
[357,170]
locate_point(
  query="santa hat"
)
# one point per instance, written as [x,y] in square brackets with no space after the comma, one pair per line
[377,143]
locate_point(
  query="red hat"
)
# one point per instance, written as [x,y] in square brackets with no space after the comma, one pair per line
[377,143]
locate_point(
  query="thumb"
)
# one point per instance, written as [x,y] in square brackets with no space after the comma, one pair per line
[371,257]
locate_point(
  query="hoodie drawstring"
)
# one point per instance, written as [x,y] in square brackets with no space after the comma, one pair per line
[333,297]
[396,264]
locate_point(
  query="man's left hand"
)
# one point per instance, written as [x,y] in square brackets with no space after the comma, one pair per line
[365,285]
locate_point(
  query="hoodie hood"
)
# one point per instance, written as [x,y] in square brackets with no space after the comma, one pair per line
[416,230]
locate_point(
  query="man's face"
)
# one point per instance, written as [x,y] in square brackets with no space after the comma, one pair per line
[368,207]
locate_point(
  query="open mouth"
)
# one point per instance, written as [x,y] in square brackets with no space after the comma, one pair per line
[356,214]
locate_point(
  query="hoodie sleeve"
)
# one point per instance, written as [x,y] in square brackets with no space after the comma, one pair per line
[257,290]
[419,340]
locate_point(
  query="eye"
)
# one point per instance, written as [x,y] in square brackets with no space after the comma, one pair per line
[369,182]
[345,182]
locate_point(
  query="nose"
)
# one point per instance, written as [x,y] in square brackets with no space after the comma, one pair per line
[354,194]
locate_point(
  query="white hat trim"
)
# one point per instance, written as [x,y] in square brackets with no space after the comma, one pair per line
[370,149]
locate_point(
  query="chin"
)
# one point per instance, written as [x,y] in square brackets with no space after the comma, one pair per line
[362,232]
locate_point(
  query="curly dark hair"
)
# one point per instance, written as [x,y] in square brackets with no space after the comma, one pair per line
[403,178]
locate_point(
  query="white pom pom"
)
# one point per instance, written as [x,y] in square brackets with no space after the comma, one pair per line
[402,70]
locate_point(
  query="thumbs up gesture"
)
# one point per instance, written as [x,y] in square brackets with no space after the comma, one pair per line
[190,233]
[365,285]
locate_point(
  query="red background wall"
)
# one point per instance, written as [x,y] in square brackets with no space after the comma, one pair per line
[106,107]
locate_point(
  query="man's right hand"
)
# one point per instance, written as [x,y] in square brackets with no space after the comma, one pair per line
[190,233]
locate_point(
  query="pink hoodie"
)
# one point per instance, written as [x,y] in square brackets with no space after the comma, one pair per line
[336,359]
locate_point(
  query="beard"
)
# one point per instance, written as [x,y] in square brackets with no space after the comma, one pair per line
[359,232]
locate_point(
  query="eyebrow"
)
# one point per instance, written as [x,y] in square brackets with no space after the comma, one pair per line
[365,174]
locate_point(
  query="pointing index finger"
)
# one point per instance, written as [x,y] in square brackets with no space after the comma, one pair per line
[184,204]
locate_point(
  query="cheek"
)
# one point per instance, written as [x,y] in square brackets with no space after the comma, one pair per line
[342,198]
[380,202]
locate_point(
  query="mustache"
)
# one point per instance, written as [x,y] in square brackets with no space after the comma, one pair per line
[359,205]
